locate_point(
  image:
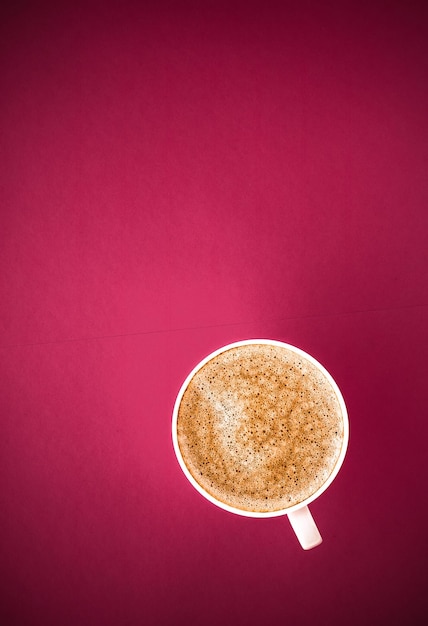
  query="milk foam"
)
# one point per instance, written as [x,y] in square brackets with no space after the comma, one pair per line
[260,427]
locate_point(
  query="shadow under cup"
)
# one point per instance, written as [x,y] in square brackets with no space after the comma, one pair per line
[260,429]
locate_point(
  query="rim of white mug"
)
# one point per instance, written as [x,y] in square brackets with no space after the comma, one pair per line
[223,505]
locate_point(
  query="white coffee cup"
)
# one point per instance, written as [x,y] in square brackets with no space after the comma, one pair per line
[299,514]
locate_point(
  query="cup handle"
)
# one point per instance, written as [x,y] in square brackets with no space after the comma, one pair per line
[305,528]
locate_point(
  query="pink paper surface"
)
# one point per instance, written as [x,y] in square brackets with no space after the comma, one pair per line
[175,177]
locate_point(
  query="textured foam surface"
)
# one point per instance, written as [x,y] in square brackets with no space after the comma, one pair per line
[260,428]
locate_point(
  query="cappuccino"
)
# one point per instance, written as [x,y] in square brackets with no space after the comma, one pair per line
[260,427]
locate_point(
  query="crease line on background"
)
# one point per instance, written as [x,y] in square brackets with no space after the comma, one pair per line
[223,325]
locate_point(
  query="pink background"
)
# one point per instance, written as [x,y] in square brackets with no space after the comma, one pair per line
[177,176]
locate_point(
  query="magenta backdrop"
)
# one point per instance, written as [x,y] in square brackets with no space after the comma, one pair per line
[177,176]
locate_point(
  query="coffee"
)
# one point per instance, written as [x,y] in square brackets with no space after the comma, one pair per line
[260,427]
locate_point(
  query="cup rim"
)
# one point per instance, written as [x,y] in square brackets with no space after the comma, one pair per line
[223,505]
